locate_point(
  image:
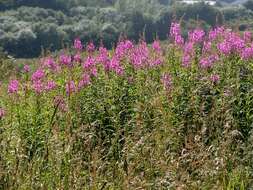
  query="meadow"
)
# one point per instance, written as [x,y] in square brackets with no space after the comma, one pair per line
[170,115]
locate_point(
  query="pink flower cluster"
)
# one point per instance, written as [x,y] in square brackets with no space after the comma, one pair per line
[50,64]
[175,34]
[78,44]
[26,69]
[156,58]
[247,53]
[116,66]
[207,62]
[156,46]
[85,81]
[90,65]
[70,87]
[220,41]
[38,84]
[13,87]
[91,47]
[196,36]
[188,54]
[77,58]
[207,47]
[139,55]
[216,33]
[38,75]
[202,49]
[103,58]
[123,49]
[66,60]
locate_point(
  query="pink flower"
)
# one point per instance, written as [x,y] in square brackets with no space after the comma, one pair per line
[175,29]
[103,58]
[215,78]
[232,43]
[70,87]
[94,72]
[212,35]
[179,40]
[78,44]
[224,47]
[26,68]
[129,44]
[175,34]
[2,113]
[139,55]
[84,82]
[38,86]
[13,87]
[156,46]
[186,60]
[189,48]
[215,33]
[167,81]
[119,71]
[196,36]
[91,47]
[207,62]
[89,62]
[123,48]
[236,42]
[86,79]
[50,63]
[116,67]
[188,54]
[66,60]
[207,46]
[103,55]
[156,62]
[50,85]
[38,75]
[247,53]
[77,58]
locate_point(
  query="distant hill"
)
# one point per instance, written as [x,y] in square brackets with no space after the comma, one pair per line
[212,2]
[232,1]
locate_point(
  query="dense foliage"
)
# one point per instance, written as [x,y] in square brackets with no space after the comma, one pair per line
[27,27]
[170,116]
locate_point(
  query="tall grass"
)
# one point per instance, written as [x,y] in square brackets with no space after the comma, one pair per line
[176,116]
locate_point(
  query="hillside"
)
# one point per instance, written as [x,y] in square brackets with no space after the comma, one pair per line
[28,28]
[233,1]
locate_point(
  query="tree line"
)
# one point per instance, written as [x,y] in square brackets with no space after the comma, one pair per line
[28,26]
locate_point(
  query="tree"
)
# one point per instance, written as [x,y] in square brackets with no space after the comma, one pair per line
[248,4]
[164,2]
[5,4]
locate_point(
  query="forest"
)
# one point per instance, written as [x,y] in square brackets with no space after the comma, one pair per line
[29,27]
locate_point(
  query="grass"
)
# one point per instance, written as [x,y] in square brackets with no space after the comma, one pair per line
[130,130]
